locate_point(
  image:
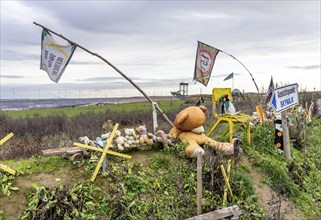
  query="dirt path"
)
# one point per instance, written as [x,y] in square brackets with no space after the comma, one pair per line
[14,205]
[266,195]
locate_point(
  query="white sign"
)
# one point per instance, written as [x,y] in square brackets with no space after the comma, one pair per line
[285,97]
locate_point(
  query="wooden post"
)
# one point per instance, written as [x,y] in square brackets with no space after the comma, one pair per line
[286,137]
[199,183]
[155,125]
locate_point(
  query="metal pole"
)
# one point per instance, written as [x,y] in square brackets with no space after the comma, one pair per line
[114,67]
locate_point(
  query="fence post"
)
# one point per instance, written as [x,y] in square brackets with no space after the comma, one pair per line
[286,137]
[155,125]
[199,183]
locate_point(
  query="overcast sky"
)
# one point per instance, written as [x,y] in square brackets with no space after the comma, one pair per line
[154,43]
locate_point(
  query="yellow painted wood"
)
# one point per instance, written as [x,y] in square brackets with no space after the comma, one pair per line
[248,133]
[7,169]
[226,181]
[104,153]
[3,140]
[101,150]
[4,167]
[231,119]
[119,154]
[260,113]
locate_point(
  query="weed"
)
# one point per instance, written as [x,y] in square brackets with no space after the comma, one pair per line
[6,184]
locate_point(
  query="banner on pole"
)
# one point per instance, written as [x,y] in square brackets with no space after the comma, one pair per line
[229,77]
[270,91]
[54,57]
[205,58]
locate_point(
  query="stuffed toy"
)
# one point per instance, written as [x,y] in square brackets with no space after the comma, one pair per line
[143,136]
[163,138]
[130,135]
[188,127]
[120,141]
[227,105]
[87,141]
[105,136]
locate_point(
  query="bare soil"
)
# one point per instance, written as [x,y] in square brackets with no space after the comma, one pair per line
[14,205]
[268,197]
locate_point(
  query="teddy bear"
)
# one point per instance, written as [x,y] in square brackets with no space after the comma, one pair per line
[121,142]
[87,141]
[130,135]
[188,127]
[163,138]
[143,136]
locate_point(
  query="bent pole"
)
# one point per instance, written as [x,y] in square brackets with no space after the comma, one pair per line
[257,88]
[114,67]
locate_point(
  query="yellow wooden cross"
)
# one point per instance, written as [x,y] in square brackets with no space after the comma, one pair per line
[3,140]
[104,152]
[101,150]
[228,178]
[227,187]
[4,167]
[57,46]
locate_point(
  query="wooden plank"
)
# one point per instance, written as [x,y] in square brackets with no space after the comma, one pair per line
[62,150]
[232,212]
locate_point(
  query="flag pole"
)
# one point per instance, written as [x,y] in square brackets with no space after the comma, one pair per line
[114,67]
[233,82]
[244,67]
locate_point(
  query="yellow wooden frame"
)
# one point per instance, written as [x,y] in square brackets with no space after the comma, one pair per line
[4,167]
[231,119]
[104,152]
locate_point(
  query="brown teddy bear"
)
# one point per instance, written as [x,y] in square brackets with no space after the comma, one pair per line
[188,127]
[163,138]
[143,136]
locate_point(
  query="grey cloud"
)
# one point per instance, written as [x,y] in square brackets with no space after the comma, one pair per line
[99,79]
[165,33]
[17,55]
[11,76]
[310,67]
[75,62]
[230,24]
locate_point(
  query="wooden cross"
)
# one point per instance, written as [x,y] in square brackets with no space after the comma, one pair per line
[4,167]
[104,152]
[227,187]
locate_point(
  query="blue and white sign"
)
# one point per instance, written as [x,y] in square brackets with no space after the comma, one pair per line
[285,97]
